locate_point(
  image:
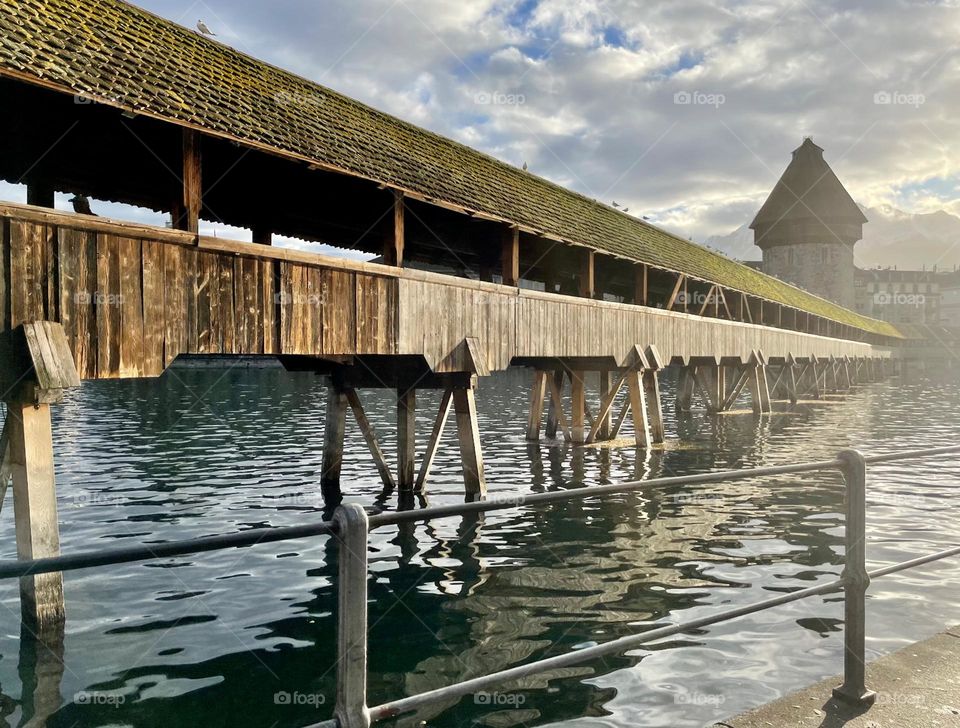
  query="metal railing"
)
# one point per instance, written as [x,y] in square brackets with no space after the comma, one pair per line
[351,526]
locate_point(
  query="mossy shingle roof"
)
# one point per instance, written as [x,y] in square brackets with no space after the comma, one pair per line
[123,55]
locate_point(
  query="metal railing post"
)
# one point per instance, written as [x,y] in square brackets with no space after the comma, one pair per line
[351,709]
[856,580]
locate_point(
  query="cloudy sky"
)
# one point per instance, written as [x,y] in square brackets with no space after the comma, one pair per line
[684,110]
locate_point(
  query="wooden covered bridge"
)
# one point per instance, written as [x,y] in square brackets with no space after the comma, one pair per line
[482,265]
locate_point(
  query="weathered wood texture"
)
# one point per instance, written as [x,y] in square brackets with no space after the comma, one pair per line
[132,298]
[130,305]
[437,314]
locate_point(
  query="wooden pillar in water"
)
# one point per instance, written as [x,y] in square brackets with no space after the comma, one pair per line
[578,405]
[537,394]
[552,415]
[333,434]
[36,365]
[685,386]
[651,385]
[406,437]
[638,408]
[607,383]
[35,510]
[468,432]
[759,390]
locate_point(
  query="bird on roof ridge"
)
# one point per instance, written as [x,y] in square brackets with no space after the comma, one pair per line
[204,30]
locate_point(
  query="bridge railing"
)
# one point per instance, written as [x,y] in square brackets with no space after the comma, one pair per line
[351,526]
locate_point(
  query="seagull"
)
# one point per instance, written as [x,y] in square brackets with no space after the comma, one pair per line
[626,209]
[524,166]
[645,217]
[204,30]
[616,204]
[81,204]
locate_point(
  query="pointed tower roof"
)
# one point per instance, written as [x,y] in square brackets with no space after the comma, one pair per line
[808,193]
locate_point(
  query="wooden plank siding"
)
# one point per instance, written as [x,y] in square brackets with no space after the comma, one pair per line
[131,299]
[130,305]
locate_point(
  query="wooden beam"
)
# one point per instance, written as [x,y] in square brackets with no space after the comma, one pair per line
[445,401]
[602,425]
[406,437]
[537,394]
[333,432]
[6,466]
[651,386]
[685,389]
[577,406]
[588,275]
[35,511]
[468,431]
[641,287]
[511,256]
[40,193]
[262,235]
[370,436]
[556,401]
[638,409]
[676,291]
[192,199]
[395,238]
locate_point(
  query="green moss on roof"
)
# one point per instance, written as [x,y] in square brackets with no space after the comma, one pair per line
[123,55]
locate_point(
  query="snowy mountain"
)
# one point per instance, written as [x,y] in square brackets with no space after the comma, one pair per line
[891,238]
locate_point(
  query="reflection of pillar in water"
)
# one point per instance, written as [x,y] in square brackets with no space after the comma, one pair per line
[41,672]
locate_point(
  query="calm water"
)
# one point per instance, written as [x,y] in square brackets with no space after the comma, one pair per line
[212,640]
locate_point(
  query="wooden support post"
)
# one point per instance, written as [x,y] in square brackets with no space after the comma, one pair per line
[511,256]
[395,237]
[40,193]
[577,406]
[731,397]
[370,436]
[35,511]
[641,284]
[685,387]
[537,394]
[604,422]
[587,275]
[651,386]
[759,390]
[36,366]
[555,408]
[468,431]
[333,432]
[406,438]
[191,201]
[603,426]
[638,409]
[5,464]
[262,235]
[434,443]
[676,291]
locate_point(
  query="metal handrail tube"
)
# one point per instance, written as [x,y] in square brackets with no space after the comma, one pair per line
[911,454]
[919,561]
[387,710]
[570,659]
[87,559]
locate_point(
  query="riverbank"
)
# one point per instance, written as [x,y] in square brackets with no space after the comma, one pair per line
[917,686]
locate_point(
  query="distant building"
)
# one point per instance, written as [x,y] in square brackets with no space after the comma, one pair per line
[899,296]
[808,226]
[949,283]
